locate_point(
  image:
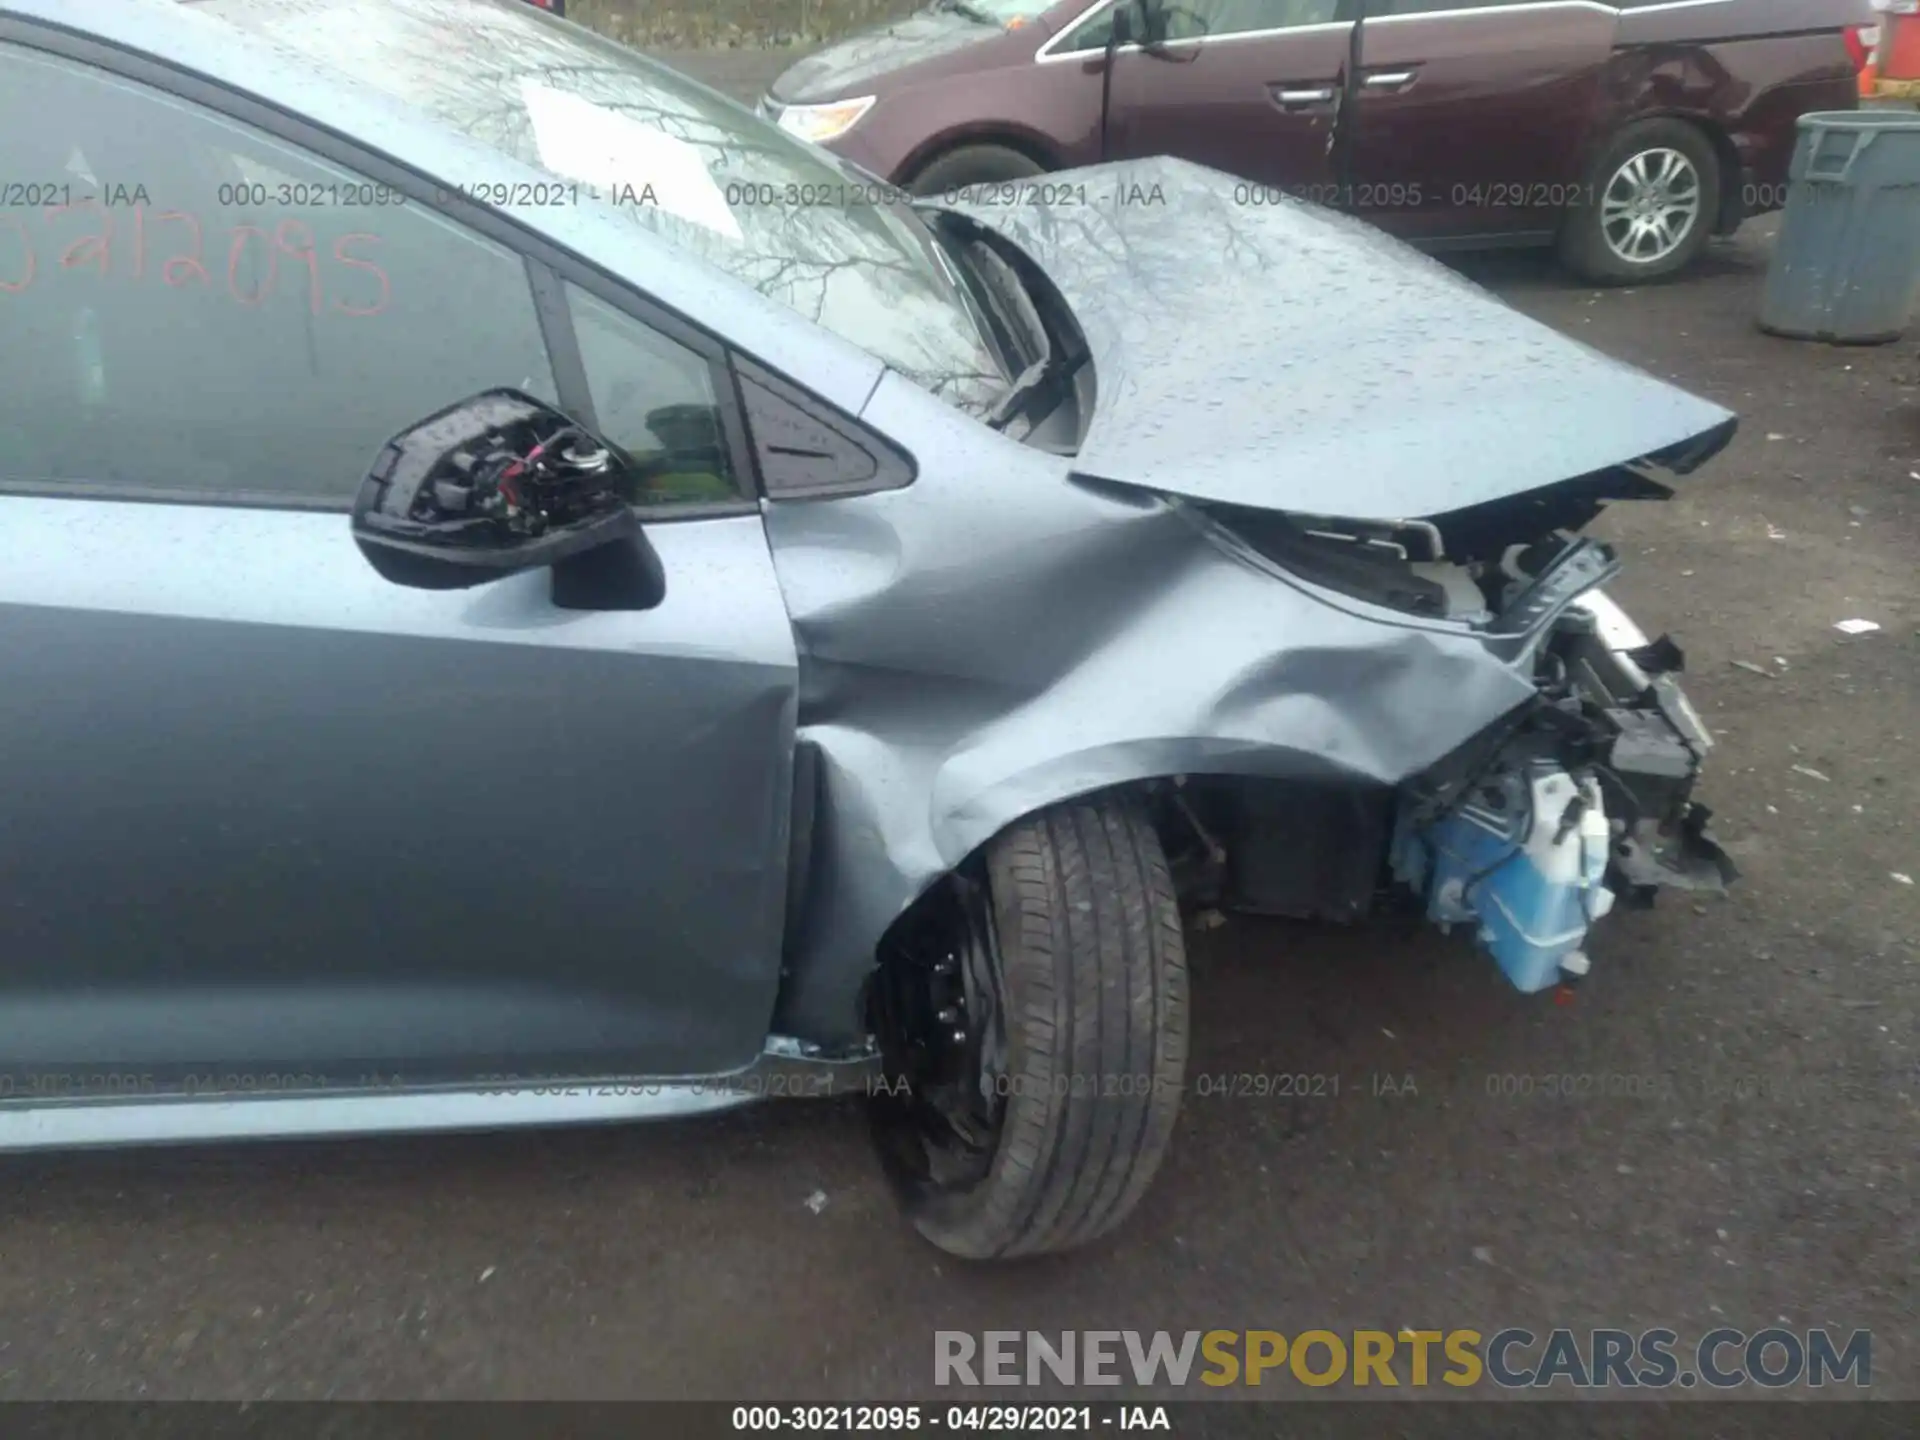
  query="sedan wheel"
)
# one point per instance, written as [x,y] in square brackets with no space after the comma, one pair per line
[1033,1017]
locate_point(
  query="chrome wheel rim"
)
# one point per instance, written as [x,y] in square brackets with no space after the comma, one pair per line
[1650,206]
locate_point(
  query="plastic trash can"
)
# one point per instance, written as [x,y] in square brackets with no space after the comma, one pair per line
[1846,265]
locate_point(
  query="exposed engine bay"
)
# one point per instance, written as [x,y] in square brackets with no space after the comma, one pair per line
[1536,828]
[1588,798]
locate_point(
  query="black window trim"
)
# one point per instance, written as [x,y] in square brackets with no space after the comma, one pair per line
[1347,12]
[555,318]
[546,264]
[894,467]
[1448,9]
[559,269]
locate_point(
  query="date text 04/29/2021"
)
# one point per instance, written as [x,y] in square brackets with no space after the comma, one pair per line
[908,1419]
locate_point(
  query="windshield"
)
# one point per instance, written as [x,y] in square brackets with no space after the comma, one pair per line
[705,173]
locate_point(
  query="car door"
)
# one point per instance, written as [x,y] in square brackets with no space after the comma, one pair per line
[268,820]
[1472,118]
[1251,87]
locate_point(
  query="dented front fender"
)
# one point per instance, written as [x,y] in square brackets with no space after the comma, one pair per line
[995,638]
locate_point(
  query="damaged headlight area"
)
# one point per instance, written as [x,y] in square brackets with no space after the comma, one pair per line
[1532,832]
[1582,798]
[1499,566]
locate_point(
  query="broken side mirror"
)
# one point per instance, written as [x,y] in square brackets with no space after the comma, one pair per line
[502,483]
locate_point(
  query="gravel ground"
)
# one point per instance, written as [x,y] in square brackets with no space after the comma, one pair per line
[685,1261]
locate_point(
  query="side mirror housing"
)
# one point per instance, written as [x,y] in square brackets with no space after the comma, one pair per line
[1142,23]
[497,484]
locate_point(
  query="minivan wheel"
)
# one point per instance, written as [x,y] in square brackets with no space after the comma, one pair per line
[974,165]
[1033,1021]
[1649,206]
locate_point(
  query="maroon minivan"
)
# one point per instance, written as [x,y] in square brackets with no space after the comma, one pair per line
[1624,133]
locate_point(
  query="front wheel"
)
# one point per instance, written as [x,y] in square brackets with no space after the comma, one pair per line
[1033,1016]
[1652,198]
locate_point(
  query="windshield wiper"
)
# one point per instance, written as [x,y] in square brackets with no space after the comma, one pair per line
[1042,366]
[1042,359]
[971,11]
[1032,392]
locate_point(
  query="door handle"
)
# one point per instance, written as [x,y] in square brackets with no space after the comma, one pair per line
[1388,80]
[1291,98]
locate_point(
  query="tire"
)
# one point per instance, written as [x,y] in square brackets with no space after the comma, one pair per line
[1584,245]
[1091,970]
[974,165]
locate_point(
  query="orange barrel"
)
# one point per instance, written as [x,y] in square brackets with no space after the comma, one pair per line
[1899,57]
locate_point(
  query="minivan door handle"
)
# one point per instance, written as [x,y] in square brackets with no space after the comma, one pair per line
[1303,97]
[1387,81]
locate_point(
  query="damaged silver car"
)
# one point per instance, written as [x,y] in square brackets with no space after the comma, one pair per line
[532,596]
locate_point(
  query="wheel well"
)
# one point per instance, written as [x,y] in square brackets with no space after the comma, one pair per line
[1309,849]
[1724,152]
[944,145]
[1732,210]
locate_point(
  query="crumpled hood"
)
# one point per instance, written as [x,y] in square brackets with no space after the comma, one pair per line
[1292,358]
[839,70]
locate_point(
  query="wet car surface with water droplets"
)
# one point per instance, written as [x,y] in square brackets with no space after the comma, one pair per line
[821,647]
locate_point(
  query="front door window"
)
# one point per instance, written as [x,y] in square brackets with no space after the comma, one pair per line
[192,307]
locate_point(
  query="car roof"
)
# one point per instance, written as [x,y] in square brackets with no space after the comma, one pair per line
[182,37]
